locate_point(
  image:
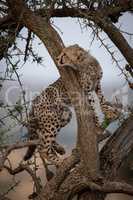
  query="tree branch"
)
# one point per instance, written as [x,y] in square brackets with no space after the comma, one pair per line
[25,167]
[76,183]
[101,18]
[107,187]
[117,38]
[75,11]
[116,149]
[63,171]
[6,150]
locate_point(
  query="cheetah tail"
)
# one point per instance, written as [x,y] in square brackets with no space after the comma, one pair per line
[29,152]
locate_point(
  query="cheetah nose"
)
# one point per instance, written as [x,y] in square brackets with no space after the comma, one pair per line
[57,59]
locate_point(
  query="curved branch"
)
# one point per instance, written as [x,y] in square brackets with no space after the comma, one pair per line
[8,148]
[76,11]
[106,188]
[26,168]
[76,183]
[116,37]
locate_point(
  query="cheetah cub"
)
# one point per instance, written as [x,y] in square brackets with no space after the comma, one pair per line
[50,110]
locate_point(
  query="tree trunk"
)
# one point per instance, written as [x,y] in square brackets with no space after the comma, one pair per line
[51,39]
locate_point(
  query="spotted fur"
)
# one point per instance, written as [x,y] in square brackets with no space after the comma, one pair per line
[50,110]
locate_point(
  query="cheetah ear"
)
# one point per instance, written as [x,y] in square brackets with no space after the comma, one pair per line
[72,66]
[76,45]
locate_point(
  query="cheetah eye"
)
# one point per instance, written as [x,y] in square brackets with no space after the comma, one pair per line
[78,57]
[62,59]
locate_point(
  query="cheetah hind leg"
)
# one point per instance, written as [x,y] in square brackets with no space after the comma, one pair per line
[46,149]
[50,155]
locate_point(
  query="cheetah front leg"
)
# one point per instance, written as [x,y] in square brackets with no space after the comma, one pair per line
[110,111]
[95,104]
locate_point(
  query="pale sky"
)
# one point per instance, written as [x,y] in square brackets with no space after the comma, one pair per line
[37,77]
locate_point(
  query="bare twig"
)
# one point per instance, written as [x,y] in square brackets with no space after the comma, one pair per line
[127,33]
[21,86]
[27,45]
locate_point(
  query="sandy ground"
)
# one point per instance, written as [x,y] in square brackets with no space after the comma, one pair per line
[24,188]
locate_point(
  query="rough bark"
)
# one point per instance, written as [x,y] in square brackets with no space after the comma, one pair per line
[117,149]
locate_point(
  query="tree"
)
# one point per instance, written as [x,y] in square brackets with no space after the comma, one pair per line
[95,175]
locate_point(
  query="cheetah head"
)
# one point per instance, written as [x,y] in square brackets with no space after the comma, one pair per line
[71,56]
